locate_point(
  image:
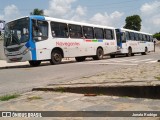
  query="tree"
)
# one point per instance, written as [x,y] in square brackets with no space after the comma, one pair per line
[157,36]
[133,22]
[37,12]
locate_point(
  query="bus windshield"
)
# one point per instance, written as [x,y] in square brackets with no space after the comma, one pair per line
[16,32]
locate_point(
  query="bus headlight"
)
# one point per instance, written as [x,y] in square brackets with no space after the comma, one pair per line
[25,51]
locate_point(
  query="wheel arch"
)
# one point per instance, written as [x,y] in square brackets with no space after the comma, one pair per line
[130,47]
[59,49]
[146,47]
[100,48]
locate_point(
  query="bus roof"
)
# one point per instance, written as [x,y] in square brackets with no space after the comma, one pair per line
[38,17]
[134,31]
[77,23]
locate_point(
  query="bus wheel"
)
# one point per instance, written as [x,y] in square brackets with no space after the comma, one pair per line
[145,53]
[80,59]
[112,56]
[99,54]
[34,63]
[56,57]
[129,52]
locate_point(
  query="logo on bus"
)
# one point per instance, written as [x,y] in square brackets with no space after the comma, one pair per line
[68,44]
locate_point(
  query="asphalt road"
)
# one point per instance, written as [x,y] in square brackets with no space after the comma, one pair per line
[24,78]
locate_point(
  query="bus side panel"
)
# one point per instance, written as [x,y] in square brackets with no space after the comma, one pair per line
[124,48]
[43,50]
[150,46]
[110,46]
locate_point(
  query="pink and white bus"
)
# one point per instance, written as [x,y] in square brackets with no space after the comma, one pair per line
[130,42]
[39,38]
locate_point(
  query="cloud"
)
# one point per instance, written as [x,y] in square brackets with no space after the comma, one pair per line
[79,14]
[150,8]
[10,12]
[150,14]
[107,19]
[1,17]
[59,8]
[156,20]
[64,9]
[81,10]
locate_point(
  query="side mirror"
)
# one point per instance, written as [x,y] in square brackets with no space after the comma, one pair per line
[37,38]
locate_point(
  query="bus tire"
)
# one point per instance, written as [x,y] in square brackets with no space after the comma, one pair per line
[34,63]
[112,56]
[129,54]
[80,59]
[99,54]
[146,50]
[56,57]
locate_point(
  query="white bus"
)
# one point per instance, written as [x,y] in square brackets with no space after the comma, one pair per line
[130,42]
[38,38]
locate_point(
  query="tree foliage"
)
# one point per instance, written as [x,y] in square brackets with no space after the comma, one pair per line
[37,11]
[157,36]
[133,22]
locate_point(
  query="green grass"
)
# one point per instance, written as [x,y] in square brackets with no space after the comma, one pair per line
[34,98]
[8,97]
[157,77]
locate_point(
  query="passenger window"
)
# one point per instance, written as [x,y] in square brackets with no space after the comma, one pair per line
[127,35]
[132,36]
[151,38]
[123,37]
[88,32]
[109,34]
[75,31]
[136,36]
[98,33]
[59,29]
[41,29]
[140,37]
[148,38]
[144,37]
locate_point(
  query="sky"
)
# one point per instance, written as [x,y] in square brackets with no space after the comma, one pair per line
[102,12]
